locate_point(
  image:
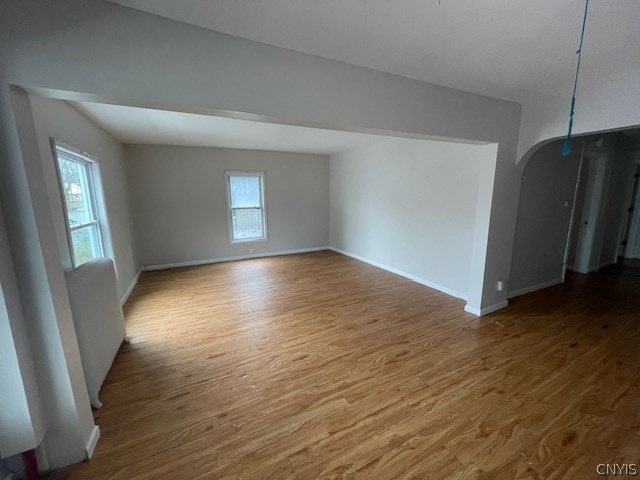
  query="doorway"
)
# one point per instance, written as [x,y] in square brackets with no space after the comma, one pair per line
[574,213]
[630,245]
[588,218]
[605,225]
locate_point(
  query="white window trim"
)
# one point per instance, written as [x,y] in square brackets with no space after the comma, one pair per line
[263,197]
[99,207]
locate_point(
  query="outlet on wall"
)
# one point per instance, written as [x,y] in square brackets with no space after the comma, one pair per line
[251,251]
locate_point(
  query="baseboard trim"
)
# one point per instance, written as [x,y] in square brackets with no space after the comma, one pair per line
[194,263]
[606,264]
[533,288]
[592,269]
[93,441]
[415,278]
[134,282]
[479,312]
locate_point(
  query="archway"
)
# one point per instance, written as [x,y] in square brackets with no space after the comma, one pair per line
[573,213]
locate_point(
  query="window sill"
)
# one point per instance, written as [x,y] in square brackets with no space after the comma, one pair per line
[249,240]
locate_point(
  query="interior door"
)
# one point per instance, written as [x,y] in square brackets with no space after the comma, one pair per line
[590,227]
[632,229]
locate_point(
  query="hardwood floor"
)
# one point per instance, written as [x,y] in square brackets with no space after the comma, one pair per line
[320,366]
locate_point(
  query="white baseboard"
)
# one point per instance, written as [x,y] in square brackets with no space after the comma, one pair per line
[93,441]
[415,278]
[193,263]
[486,310]
[42,458]
[606,264]
[593,269]
[134,282]
[533,288]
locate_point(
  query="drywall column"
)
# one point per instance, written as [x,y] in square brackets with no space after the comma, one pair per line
[21,423]
[481,234]
[16,425]
[67,413]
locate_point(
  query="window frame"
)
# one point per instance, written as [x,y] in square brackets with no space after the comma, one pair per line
[263,199]
[95,198]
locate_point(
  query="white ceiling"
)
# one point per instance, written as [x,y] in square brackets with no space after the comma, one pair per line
[160,127]
[510,49]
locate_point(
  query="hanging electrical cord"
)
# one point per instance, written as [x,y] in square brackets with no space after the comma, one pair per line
[566,148]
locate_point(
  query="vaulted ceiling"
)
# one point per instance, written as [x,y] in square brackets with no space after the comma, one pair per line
[510,49]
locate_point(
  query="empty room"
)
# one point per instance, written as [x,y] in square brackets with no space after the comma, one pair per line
[296,239]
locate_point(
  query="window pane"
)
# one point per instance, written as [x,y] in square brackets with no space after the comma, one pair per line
[78,176]
[247,223]
[86,244]
[244,191]
[75,184]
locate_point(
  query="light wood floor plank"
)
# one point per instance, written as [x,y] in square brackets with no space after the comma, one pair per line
[320,366]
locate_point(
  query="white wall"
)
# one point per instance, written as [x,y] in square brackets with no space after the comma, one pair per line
[57,119]
[549,180]
[410,205]
[180,204]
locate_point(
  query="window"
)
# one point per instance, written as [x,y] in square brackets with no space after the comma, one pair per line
[82,197]
[247,213]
